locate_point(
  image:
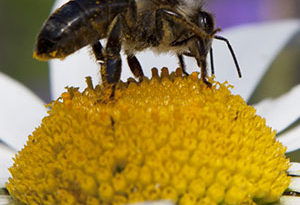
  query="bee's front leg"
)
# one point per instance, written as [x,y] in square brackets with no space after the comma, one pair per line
[197,32]
[201,60]
[203,65]
[182,64]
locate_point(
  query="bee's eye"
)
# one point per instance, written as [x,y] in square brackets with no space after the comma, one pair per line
[206,21]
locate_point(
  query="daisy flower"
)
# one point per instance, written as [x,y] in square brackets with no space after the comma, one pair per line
[114,158]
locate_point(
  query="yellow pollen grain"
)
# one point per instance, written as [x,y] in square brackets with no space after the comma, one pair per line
[169,137]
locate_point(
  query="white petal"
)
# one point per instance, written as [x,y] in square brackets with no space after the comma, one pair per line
[72,72]
[159,202]
[294,169]
[255,46]
[282,111]
[5,200]
[291,139]
[6,161]
[20,112]
[295,184]
[289,200]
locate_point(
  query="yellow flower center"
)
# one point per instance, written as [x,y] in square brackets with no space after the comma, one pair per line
[170,137]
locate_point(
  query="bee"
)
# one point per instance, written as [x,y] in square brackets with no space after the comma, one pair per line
[180,26]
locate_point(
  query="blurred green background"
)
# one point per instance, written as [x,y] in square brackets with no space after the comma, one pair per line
[20,22]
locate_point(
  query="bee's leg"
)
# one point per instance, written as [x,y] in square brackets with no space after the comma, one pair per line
[204,72]
[180,42]
[188,54]
[111,70]
[203,65]
[182,64]
[201,60]
[97,50]
[135,67]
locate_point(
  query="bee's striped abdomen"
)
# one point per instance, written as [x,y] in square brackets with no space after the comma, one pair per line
[75,25]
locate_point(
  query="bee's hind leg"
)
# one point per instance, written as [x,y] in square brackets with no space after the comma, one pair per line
[135,67]
[98,52]
[111,69]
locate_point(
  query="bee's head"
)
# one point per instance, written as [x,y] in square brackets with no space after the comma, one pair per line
[206,21]
[193,10]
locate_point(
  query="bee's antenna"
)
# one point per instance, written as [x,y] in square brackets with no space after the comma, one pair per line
[232,53]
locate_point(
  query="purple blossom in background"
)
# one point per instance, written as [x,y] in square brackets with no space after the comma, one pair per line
[234,12]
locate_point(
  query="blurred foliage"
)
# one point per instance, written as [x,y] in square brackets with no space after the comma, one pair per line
[294,156]
[20,23]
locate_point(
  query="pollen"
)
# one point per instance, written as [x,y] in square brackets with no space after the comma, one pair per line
[170,137]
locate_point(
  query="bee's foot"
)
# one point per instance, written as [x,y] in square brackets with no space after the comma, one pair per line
[207,83]
[141,79]
[185,73]
[108,93]
[112,95]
